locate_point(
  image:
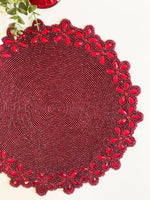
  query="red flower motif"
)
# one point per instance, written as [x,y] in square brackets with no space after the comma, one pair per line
[105,50]
[64,32]
[13,44]
[69,182]
[20,178]
[128,93]
[132,117]
[4,162]
[124,138]
[43,183]
[119,70]
[91,174]
[111,159]
[39,35]
[86,38]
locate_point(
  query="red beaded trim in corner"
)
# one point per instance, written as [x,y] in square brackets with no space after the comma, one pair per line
[102,52]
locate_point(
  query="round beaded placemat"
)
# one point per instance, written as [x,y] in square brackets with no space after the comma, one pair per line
[67,107]
[44,3]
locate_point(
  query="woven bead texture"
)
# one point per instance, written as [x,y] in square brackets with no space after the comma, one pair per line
[44,3]
[67,107]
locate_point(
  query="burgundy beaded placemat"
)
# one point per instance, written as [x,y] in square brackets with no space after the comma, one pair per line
[67,107]
[44,3]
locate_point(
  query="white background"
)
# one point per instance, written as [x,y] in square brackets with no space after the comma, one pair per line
[128,23]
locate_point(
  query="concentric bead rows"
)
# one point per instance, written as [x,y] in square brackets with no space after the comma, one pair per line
[103,52]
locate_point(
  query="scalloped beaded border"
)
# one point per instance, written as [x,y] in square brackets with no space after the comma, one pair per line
[103,52]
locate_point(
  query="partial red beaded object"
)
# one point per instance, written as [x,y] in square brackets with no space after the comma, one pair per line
[44,3]
[68,109]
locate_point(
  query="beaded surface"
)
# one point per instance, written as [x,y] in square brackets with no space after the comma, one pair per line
[44,3]
[67,107]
